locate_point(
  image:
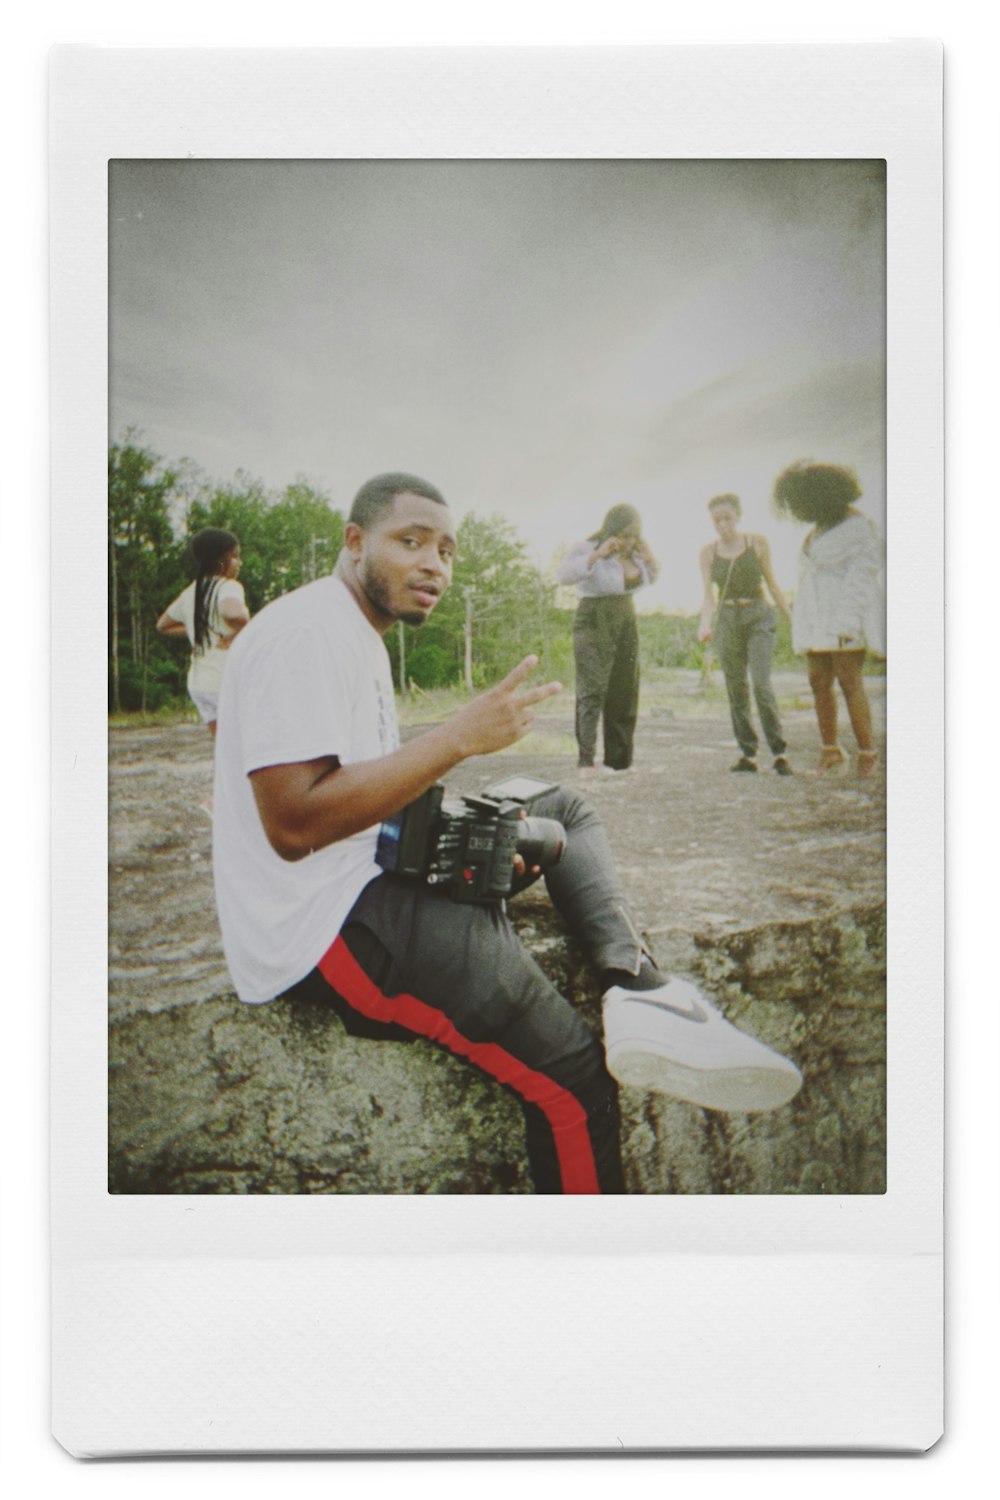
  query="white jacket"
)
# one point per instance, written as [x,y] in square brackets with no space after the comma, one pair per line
[841,594]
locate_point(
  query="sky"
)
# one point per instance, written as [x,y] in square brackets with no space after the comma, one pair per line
[540,339]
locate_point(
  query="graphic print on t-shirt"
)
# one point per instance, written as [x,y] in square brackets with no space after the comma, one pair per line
[388,725]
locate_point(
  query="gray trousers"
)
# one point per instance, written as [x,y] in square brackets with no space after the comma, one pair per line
[744,639]
[606,649]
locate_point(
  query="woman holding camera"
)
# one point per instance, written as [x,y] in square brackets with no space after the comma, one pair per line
[607,568]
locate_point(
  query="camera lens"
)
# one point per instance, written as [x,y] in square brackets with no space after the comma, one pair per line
[540,841]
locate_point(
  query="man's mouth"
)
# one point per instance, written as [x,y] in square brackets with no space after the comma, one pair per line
[425,596]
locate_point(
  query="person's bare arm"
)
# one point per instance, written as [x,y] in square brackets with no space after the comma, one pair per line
[763,552]
[309,804]
[167,625]
[236,615]
[645,556]
[708,603]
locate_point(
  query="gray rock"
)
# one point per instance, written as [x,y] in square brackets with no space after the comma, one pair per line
[768,892]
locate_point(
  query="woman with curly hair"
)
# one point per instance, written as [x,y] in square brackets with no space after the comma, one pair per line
[839,609]
[210,612]
[607,568]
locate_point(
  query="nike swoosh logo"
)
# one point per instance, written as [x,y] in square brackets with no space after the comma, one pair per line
[693,1013]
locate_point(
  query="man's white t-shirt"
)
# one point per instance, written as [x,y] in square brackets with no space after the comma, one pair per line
[207,662]
[308,677]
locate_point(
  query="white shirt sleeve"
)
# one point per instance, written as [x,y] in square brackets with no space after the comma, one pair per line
[574,564]
[295,701]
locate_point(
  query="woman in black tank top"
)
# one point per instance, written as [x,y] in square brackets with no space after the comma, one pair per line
[737,616]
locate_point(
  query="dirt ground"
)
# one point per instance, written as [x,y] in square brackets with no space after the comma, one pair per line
[767,891]
[701,851]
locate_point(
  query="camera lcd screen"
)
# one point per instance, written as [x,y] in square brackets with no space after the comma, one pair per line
[520,788]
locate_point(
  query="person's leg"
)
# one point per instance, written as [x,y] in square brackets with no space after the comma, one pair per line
[586,888]
[731,644]
[410,960]
[621,702]
[593,651]
[849,667]
[760,654]
[207,705]
[822,679]
[661,1033]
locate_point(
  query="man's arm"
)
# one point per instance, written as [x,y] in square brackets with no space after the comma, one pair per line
[309,804]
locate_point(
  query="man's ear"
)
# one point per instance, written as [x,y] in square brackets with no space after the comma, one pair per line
[353,538]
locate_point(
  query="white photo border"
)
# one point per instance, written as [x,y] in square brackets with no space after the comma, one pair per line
[356,1323]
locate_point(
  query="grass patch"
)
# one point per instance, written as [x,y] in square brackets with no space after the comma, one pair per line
[170,714]
[542,744]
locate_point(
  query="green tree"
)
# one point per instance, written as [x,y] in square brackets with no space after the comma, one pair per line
[242,508]
[498,608]
[143,563]
[287,540]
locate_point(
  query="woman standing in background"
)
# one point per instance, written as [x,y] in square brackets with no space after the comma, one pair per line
[742,623]
[607,568]
[839,610]
[210,612]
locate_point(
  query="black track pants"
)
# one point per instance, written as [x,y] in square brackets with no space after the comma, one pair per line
[410,962]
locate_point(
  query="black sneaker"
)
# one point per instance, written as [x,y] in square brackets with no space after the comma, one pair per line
[781,766]
[744,764]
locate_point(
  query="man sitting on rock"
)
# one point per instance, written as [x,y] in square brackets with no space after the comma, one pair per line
[308,764]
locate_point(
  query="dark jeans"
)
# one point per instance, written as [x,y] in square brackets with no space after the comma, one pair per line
[744,639]
[606,647]
[412,962]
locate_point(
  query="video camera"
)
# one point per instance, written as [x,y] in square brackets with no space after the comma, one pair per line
[469,845]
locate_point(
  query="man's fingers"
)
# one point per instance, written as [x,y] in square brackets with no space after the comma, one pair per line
[536,694]
[519,673]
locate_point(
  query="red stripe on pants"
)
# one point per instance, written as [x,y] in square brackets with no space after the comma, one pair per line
[565,1114]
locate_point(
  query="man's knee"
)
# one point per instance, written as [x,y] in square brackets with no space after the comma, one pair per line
[566,807]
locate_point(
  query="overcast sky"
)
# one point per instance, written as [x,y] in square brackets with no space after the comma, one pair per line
[540,339]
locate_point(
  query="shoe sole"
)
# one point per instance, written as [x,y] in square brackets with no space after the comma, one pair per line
[736,1090]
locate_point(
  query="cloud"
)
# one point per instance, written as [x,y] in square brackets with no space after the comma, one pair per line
[819,413]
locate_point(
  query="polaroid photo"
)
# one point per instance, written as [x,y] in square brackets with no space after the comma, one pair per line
[497,957]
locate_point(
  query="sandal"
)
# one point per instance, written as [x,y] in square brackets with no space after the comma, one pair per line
[832,761]
[867,762]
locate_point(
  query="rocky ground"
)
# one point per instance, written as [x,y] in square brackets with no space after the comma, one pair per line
[768,891]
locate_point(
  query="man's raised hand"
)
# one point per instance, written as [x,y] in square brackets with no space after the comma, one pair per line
[502,715]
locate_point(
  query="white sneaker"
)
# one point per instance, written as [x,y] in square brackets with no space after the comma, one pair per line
[672,1041]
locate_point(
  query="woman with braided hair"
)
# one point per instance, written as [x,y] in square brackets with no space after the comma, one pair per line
[210,612]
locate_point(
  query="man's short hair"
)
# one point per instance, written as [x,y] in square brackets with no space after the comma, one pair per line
[377,495]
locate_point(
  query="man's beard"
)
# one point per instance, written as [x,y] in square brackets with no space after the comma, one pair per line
[377,592]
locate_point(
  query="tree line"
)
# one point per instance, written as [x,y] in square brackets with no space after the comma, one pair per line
[500,605]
